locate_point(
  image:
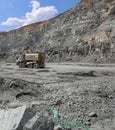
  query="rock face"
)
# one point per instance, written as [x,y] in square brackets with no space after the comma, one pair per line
[84,33]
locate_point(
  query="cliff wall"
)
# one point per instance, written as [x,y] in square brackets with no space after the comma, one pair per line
[84,33]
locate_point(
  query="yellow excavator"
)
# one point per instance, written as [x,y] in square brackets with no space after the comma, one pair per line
[31,60]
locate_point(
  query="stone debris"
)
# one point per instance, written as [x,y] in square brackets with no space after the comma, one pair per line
[15,104]
[93,114]
[37,122]
[70,89]
[57,127]
[13,119]
[33,123]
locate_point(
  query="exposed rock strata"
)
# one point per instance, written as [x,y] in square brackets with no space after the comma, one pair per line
[84,33]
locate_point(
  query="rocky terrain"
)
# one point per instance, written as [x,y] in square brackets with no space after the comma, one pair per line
[84,33]
[83,92]
[77,92]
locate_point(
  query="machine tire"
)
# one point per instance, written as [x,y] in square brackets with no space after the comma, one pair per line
[35,66]
[30,65]
[20,65]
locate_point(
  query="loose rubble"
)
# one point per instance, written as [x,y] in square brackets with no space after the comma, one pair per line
[84,93]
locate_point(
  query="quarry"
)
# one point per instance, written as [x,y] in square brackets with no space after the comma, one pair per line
[74,87]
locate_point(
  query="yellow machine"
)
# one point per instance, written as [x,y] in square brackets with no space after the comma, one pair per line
[33,60]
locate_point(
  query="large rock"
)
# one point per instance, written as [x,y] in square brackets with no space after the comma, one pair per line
[15,119]
[33,123]
[39,123]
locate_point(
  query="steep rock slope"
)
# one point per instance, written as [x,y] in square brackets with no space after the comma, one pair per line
[84,33]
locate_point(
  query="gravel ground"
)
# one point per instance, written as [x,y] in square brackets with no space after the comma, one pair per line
[83,91]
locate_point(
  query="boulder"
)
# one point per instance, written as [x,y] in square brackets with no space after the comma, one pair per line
[39,123]
[13,119]
[93,114]
[32,124]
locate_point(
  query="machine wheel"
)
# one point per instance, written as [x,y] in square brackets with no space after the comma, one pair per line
[20,65]
[35,66]
[30,65]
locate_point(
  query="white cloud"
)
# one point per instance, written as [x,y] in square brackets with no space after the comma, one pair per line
[37,14]
[35,5]
[13,21]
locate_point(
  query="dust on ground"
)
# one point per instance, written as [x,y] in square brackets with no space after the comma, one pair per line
[83,91]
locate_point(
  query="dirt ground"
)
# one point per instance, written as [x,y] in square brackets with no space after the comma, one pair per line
[83,91]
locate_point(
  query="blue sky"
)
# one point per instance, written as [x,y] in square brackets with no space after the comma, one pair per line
[17,13]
